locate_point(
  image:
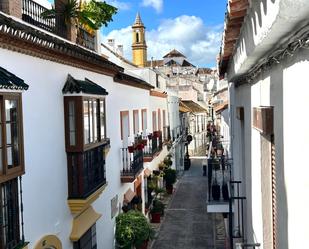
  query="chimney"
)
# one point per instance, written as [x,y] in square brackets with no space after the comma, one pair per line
[120,50]
[111,43]
[12,7]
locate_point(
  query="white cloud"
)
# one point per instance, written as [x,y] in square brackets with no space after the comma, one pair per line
[156,4]
[188,34]
[120,5]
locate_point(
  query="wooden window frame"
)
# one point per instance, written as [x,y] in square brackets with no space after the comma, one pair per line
[144,126]
[80,145]
[9,174]
[122,114]
[135,126]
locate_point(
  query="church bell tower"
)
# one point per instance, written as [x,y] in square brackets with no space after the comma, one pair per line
[139,47]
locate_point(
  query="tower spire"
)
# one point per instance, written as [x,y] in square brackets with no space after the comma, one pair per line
[138,20]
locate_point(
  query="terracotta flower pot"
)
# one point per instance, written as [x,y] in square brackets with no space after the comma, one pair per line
[144,245]
[155,217]
[131,149]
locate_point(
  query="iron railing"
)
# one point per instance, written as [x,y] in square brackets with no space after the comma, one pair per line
[85,39]
[132,162]
[11,214]
[86,172]
[154,144]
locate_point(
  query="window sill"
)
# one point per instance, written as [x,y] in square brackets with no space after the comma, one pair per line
[105,142]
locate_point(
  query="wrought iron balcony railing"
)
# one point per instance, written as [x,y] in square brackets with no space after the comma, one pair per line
[154,144]
[132,162]
[86,172]
[85,39]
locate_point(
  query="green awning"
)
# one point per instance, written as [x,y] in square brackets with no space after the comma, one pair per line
[10,81]
[82,86]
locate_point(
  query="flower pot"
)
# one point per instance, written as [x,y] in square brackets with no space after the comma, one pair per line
[215,190]
[144,142]
[150,136]
[140,146]
[155,217]
[169,189]
[144,245]
[131,149]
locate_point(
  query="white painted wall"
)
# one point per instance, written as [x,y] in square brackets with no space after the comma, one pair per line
[45,182]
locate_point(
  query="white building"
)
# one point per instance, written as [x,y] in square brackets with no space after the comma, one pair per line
[265,69]
[80,113]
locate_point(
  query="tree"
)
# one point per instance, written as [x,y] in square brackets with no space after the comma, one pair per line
[91,14]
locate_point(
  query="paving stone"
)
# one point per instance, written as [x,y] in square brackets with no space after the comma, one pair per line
[186,224]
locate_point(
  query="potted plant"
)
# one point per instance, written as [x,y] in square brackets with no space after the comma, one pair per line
[156,211]
[170,179]
[133,230]
[149,136]
[162,166]
[168,161]
[131,149]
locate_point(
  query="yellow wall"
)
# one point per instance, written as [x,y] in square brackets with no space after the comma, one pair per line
[140,57]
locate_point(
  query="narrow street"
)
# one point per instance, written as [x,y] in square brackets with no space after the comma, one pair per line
[187,225]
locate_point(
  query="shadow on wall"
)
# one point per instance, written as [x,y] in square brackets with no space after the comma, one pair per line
[251,23]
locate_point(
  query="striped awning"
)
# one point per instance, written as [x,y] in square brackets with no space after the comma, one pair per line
[10,81]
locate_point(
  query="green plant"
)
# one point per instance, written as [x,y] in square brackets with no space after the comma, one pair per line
[91,14]
[170,176]
[157,207]
[168,161]
[132,229]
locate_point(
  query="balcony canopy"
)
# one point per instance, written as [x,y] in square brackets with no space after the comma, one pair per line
[10,81]
[82,86]
[191,106]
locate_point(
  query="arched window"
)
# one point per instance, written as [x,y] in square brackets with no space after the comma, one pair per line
[137,36]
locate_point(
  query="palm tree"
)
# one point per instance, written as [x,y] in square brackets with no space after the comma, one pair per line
[91,15]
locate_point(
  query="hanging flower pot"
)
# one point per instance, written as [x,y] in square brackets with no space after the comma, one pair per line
[131,149]
[150,136]
[144,142]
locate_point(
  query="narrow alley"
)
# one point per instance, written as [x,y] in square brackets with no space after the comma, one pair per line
[187,225]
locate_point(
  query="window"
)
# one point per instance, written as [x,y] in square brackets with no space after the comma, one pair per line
[88,240]
[154,121]
[144,120]
[159,120]
[9,215]
[135,122]
[84,122]
[11,146]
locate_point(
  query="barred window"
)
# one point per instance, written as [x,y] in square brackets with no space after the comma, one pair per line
[88,240]
[9,215]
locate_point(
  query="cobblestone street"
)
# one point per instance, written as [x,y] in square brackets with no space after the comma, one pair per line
[186,223]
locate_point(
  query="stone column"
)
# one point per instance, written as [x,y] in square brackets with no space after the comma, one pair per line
[12,7]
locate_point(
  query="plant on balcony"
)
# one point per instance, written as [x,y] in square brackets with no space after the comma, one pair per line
[149,136]
[131,149]
[91,15]
[157,211]
[170,179]
[132,229]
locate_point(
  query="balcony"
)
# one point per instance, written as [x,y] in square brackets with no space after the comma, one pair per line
[86,172]
[153,146]
[132,162]
[85,39]
[31,13]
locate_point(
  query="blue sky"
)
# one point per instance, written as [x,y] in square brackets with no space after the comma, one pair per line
[193,27]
